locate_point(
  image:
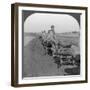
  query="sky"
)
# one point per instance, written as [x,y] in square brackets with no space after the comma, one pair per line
[41,21]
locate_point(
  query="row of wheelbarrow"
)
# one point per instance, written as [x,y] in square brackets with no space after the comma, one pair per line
[61,54]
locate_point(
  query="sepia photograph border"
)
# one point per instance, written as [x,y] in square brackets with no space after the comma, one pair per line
[15,47]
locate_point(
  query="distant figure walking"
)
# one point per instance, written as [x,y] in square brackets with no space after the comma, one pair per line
[51,35]
[44,35]
[51,40]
